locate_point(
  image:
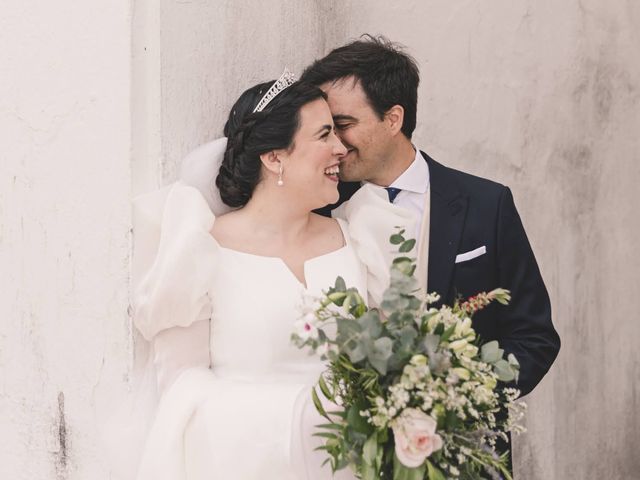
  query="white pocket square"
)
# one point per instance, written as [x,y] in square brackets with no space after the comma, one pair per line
[465,257]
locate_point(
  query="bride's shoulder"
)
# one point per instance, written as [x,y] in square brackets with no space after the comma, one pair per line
[331,229]
[322,223]
[228,227]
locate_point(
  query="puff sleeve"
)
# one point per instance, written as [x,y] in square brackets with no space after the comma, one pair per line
[175,257]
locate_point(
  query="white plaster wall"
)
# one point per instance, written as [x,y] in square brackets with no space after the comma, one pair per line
[211,51]
[64,230]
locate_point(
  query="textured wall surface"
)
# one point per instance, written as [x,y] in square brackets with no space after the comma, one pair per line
[64,231]
[212,51]
[99,99]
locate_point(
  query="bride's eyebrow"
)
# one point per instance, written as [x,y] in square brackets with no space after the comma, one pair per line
[323,129]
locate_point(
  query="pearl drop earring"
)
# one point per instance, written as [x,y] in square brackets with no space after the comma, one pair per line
[280,182]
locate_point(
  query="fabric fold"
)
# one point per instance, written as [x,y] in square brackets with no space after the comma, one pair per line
[176,289]
[372,220]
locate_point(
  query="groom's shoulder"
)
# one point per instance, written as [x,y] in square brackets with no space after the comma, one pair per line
[465,182]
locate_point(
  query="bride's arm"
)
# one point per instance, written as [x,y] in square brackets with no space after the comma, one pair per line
[174,260]
[178,349]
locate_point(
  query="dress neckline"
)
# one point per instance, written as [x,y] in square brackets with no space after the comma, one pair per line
[304,282]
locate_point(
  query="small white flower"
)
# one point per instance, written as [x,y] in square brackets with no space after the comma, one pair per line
[306,330]
[470,351]
[418,360]
[458,346]
[463,328]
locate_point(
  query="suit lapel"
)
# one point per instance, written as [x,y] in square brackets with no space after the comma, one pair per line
[448,213]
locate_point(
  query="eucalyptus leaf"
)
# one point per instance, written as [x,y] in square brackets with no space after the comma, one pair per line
[347,328]
[511,358]
[407,336]
[407,246]
[396,239]
[504,371]
[401,260]
[380,353]
[355,351]
[370,323]
[431,343]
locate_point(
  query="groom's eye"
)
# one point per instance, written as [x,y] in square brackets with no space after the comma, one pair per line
[342,126]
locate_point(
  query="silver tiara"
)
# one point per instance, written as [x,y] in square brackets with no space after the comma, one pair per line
[286,80]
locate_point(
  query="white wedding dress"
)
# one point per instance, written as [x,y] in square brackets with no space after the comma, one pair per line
[234,392]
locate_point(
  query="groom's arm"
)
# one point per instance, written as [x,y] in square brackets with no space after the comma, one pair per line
[526,328]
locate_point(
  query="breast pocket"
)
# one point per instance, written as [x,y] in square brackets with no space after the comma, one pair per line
[471,254]
[473,272]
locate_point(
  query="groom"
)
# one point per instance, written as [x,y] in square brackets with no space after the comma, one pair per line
[476,241]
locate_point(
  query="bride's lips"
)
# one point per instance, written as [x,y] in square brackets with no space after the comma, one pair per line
[332,172]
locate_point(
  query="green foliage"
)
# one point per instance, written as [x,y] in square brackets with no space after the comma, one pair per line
[403,342]
[401,472]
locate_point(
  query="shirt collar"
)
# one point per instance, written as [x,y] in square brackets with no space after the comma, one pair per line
[416,177]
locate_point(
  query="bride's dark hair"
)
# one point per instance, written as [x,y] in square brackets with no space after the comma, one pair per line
[252,134]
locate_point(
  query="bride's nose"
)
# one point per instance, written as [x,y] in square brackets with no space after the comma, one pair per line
[338,148]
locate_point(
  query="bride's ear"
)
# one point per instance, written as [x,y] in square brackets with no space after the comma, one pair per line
[271,161]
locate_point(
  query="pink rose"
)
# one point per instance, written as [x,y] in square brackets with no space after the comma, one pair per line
[415,436]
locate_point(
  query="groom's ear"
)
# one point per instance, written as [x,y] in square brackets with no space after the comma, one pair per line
[394,117]
[271,161]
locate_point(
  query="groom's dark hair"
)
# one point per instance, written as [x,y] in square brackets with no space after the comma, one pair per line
[387,74]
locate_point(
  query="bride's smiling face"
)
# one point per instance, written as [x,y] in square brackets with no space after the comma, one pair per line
[311,167]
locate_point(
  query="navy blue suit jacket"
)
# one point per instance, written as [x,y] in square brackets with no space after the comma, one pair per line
[468,212]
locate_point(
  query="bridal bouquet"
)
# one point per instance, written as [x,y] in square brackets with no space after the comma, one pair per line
[414,393]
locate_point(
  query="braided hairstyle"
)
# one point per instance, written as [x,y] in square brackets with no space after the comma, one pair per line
[251,134]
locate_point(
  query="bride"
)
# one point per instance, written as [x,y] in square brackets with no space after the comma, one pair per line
[219,297]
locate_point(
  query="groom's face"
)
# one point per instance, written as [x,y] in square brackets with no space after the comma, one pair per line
[361,130]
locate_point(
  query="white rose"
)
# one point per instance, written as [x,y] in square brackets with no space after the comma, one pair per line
[415,437]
